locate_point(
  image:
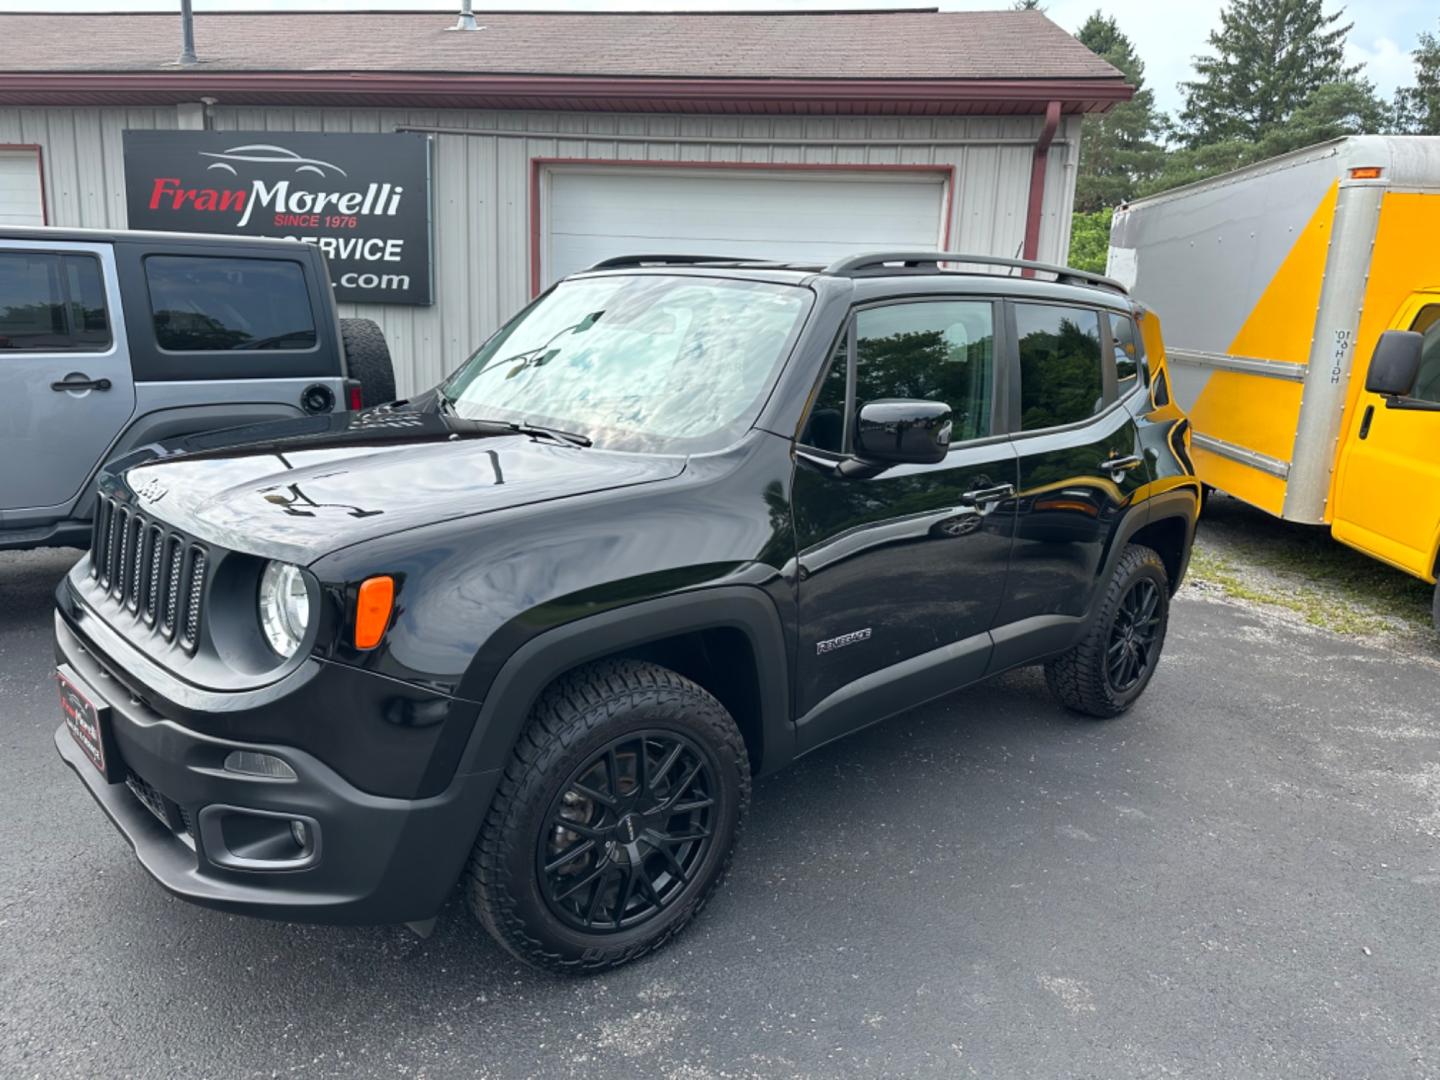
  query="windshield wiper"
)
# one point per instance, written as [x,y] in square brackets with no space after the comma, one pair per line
[572,438]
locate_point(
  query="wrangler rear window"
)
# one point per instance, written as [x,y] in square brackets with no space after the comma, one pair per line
[209,304]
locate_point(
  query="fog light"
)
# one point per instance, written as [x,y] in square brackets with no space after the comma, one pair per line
[249,763]
[300,833]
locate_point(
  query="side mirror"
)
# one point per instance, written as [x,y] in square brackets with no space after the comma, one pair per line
[1395,364]
[903,430]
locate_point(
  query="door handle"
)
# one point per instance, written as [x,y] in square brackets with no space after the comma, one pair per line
[980,496]
[1122,464]
[82,383]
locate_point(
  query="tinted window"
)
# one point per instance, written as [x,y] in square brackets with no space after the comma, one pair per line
[1127,351]
[1060,381]
[203,304]
[825,430]
[942,351]
[51,302]
[1427,386]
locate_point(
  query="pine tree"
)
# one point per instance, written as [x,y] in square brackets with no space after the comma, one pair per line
[1269,57]
[1117,149]
[1417,108]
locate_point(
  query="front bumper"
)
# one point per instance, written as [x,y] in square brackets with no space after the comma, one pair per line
[379,859]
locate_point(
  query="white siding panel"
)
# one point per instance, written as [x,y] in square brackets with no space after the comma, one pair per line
[482,186]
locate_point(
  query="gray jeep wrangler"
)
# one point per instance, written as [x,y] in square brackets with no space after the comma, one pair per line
[114,340]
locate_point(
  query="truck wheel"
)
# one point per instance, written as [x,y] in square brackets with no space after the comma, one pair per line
[1113,663]
[614,821]
[1435,607]
[367,357]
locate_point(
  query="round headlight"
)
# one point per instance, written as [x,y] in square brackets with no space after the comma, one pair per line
[284,607]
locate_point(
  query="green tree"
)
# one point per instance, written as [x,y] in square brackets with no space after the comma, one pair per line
[1417,108]
[1118,150]
[1269,57]
[1090,240]
[1028,5]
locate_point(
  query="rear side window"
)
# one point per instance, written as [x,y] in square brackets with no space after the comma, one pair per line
[209,304]
[1126,343]
[1060,374]
[52,302]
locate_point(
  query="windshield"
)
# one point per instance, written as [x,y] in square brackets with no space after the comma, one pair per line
[672,364]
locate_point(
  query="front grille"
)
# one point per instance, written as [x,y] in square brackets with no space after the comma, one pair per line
[154,572]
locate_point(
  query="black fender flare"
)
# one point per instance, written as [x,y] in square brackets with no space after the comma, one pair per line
[535,664]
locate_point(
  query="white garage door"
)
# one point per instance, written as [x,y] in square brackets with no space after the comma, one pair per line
[594,214]
[20,201]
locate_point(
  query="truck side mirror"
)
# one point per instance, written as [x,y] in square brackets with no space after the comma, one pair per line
[1395,364]
[903,431]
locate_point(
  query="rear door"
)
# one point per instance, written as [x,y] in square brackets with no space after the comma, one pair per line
[1388,496]
[901,570]
[1080,464]
[65,380]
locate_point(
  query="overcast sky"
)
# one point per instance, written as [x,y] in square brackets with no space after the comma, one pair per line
[1167,33]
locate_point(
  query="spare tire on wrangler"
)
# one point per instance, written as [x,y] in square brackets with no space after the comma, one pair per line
[368,359]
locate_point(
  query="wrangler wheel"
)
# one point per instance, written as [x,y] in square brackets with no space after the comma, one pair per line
[1112,664]
[615,818]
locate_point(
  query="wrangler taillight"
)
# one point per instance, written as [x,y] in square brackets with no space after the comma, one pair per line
[354,397]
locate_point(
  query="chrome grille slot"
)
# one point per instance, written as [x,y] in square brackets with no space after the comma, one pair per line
[172,586]
[135,565]
[153,581]
[192,601]
[108,555]
[120,563]
[97,538]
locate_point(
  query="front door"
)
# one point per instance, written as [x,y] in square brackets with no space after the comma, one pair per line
[65,380]
[1388,496]
[901,570]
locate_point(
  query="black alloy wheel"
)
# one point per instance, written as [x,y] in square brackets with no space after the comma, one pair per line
[624,837]
[615,818]
[1128,655]
[1104,672]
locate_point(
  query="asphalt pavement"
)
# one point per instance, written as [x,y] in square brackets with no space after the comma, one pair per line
[1239,878]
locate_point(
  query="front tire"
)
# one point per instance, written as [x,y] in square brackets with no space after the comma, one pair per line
[1112,664]
[614,821]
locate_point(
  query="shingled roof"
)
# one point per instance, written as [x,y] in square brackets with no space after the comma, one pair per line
[973,61]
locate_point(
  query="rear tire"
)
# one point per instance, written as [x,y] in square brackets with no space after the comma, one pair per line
[614,821]
[367,358]
[1112,664]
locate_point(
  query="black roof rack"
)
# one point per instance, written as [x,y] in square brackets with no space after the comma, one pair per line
[856,265]
[621,261]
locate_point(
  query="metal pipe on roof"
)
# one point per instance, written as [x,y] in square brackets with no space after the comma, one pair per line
[467,17]
[187,35]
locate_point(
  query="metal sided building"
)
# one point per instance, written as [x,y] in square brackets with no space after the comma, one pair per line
[555,140]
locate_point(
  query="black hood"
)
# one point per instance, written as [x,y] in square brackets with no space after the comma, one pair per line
[297,490]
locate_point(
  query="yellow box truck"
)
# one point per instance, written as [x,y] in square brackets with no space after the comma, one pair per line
[1275,284]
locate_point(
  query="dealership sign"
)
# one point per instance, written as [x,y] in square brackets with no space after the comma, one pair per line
[364,200]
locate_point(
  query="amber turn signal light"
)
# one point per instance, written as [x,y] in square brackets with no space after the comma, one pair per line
[372,610]
[1365,172]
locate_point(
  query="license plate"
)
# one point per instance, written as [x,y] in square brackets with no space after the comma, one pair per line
[88,719]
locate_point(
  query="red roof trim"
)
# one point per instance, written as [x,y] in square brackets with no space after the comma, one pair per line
[568,92]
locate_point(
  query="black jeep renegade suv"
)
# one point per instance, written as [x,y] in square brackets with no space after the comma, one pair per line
[678,522]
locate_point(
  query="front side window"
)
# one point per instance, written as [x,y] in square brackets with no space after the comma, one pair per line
[825,428]
[207,304]
[52,302]
[938,351]
[1060,375]
[1126,343]
[1427,385]
[648,362]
